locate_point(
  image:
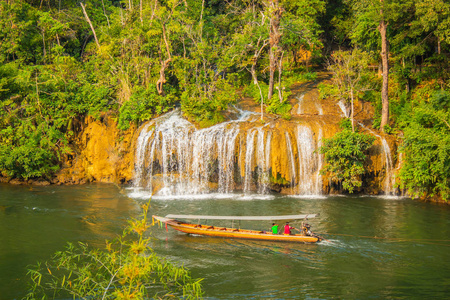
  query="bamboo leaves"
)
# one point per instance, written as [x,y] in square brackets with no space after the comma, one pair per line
[126,269]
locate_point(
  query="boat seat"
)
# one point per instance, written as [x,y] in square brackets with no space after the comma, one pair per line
[223,228]
[210,227]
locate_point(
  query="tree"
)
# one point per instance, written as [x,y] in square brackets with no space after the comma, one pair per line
[258,49]
[351,76]
[434,17]
[382,16]
[275,13]
[90,24]
[382,28]
[284,26]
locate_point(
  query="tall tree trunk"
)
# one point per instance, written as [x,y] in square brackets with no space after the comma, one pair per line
[104,12]
[164,64]
[439,45]
[43,43]
[255,82]
[274,41]
[280,69]
[140,11]
[90,24]
[256,55]
[385,63]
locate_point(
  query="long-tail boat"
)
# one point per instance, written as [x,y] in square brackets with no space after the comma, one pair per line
[305,235]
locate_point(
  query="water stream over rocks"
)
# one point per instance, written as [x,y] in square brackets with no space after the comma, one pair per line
[236,155]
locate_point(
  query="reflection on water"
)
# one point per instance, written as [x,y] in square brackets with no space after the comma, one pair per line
[374,247]
[35,222]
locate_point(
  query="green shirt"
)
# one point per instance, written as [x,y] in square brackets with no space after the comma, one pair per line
[275,229]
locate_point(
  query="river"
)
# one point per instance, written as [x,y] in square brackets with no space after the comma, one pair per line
[376,247]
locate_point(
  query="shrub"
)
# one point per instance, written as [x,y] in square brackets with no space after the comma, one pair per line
[206,108]
[344,157]
[144,104]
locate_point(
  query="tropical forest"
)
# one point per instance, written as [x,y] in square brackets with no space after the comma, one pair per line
[213,107]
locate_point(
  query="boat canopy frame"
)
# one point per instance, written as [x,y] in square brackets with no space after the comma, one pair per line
[244,218]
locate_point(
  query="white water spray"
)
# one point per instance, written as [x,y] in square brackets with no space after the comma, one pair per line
[182,160]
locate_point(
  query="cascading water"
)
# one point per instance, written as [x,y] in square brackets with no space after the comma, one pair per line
[263,160]
[249,155]
[389,178]
[318,185]
[308,172]
[300,103]
[292,169]
[236,155]
[319,108]
[344,109]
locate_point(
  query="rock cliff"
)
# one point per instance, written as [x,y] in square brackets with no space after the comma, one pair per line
[243,153]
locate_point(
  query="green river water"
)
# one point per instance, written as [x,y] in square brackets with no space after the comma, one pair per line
[408,259]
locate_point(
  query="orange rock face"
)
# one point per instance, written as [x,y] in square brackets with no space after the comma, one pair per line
[102,154]
[248,155]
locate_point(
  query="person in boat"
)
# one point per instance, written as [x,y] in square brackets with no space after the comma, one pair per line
[306,229]
[288,228]
[274,228]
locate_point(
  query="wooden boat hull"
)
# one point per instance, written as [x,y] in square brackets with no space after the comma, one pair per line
[226,232]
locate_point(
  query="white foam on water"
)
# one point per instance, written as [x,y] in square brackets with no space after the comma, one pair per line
[145,194]
[310,196]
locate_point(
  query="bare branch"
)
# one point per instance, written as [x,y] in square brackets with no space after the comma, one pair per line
[90,24]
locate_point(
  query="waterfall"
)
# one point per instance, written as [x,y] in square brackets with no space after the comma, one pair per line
[319,108]
[318,184]
[249,154]
[308,162]
[300,102]
[292,169]
[178,159]
[226,150]
[263,160]
[344,109]
[140,154]
[389,177]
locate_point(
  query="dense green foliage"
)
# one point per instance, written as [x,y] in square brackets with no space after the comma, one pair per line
[141,58]
[126,269]
[418,35]
[426,145]
[344,156]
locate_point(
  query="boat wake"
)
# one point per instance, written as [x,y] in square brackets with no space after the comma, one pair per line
[332,243]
